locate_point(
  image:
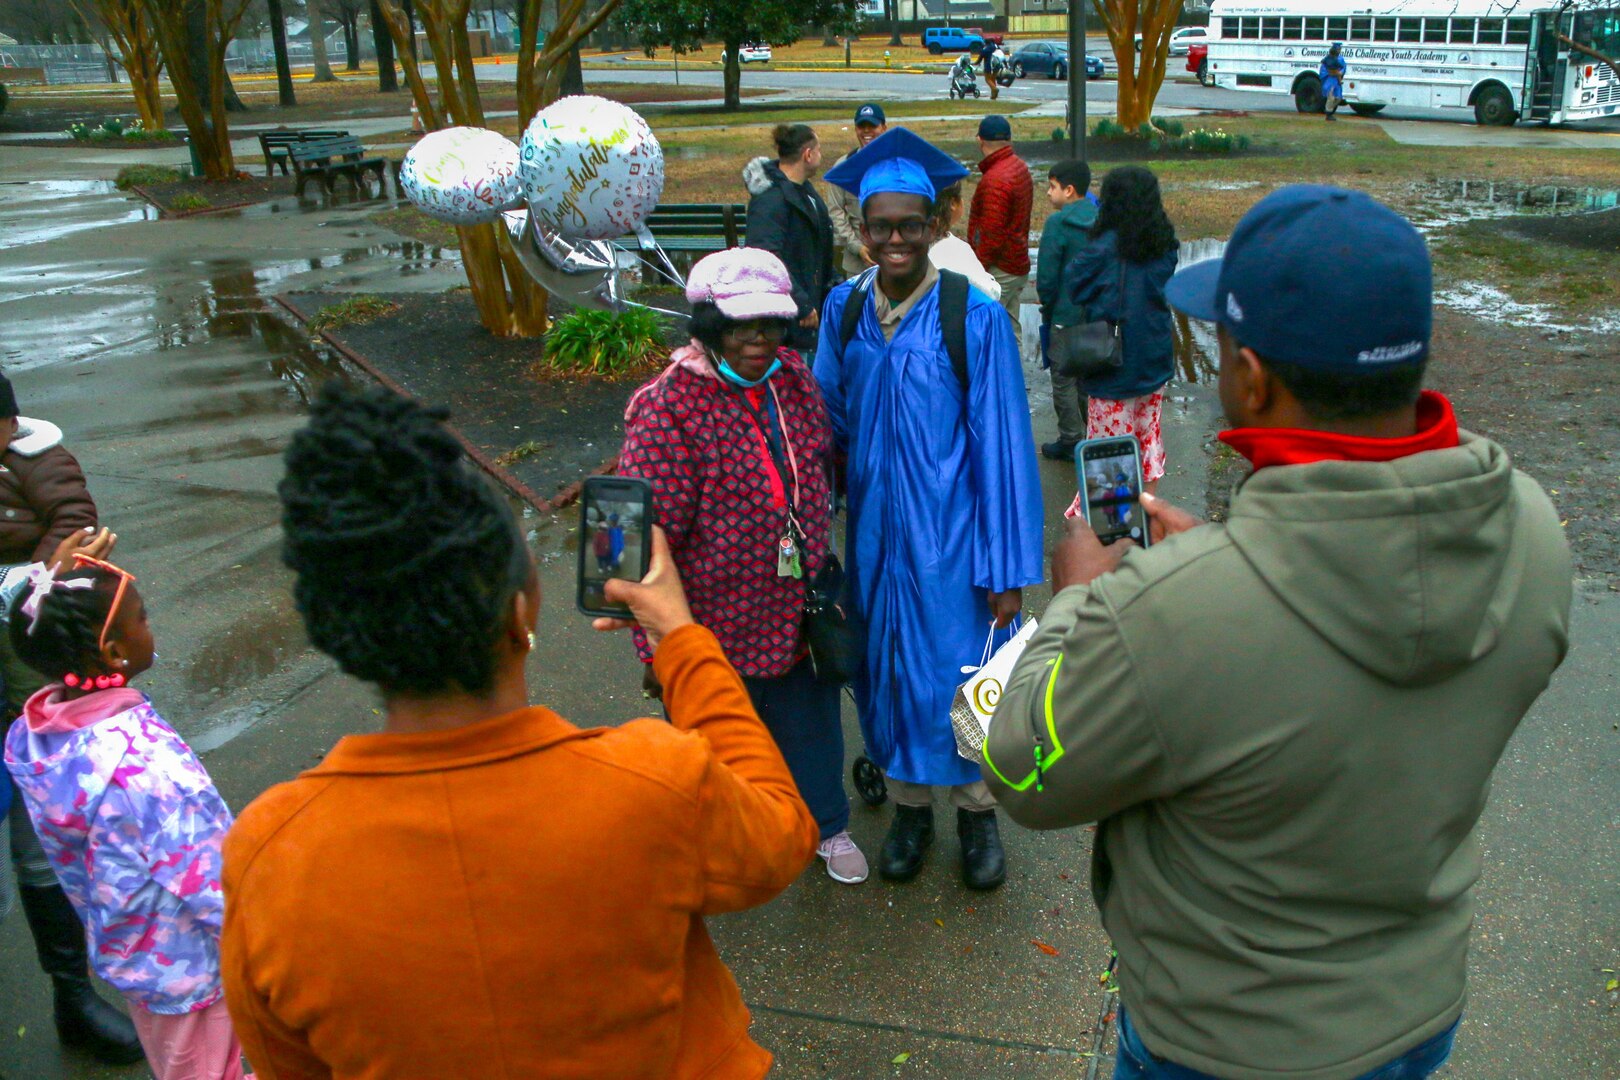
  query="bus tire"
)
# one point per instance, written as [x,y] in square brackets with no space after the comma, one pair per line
[1493,107]
[1365,110]
[1308,94]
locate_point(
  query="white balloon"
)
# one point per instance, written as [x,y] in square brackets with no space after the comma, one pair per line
[591,168]
[462,175]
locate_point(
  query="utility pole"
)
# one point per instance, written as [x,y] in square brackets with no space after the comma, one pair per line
[1077,79]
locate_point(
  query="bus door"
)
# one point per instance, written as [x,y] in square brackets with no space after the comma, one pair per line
[1546,64]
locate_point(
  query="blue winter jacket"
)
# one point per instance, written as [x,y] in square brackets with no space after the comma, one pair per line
[1094,279]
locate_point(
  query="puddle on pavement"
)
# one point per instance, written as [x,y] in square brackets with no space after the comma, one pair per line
[1457,200]
[34,211]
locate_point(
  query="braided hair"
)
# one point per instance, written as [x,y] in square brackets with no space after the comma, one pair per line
[406,557]
[66,638]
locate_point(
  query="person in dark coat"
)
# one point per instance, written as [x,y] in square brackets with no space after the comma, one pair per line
[788,218]
[1120,276]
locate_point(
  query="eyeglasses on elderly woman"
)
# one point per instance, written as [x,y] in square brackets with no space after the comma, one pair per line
[746,330]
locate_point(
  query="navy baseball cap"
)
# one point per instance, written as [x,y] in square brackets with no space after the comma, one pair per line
[1322,277]
[995,129]
[870,114]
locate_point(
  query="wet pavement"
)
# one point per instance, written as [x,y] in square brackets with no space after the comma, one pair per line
[155,346]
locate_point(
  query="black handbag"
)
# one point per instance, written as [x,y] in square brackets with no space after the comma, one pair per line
[1089,350]
[828,632]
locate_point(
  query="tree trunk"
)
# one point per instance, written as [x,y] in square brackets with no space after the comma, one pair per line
[387,77]
[894,23]
[351,40]
[233,103]
[829,39]
[189,71]
[733,78]
[410,22]
[278,41]
[317,42]
[573,80]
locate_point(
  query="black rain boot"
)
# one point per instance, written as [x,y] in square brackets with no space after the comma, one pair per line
[909,836]
[83,1020]
[983,864]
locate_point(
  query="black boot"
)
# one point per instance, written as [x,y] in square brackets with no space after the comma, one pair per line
[909,836]
[983,864]
[83,1019]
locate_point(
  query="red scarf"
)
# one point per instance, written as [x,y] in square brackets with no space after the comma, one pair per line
[1264,447]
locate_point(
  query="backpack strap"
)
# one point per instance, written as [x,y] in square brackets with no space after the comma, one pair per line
[953,303]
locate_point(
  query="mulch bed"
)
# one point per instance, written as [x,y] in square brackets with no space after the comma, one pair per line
[434,349]
[1598,231]
[221,194]
[101,144]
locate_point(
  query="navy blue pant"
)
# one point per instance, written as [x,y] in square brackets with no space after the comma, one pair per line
[803,716]
[1134,1062]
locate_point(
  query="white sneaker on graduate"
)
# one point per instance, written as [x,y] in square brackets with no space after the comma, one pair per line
[845,863]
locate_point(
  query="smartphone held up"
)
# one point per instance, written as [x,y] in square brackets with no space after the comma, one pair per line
[1110,475]
[615,539]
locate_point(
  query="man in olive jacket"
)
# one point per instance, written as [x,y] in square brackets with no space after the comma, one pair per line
[1286,725]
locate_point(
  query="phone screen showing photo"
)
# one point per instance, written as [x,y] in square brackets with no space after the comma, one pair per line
[1111,485]
[613,538]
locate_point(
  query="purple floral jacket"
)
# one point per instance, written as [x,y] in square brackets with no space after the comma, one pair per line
[134,828]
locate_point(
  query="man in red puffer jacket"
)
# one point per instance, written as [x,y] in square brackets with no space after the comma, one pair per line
[998,222]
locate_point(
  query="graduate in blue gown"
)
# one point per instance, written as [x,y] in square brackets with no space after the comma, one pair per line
[945,507]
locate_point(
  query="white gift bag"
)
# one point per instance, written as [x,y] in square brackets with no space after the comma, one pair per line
[975,701]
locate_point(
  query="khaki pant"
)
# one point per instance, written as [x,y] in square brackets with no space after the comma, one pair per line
[974,796]
[853,263]
[1012,293]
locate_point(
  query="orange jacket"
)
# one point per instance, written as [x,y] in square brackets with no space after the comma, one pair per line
[516,898]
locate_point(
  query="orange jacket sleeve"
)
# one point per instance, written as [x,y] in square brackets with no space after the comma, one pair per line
[755,832]
[275,1051]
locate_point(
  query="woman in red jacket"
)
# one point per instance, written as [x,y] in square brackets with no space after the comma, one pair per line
[735,440]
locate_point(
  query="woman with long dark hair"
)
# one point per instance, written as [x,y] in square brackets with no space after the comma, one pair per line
[1120,276]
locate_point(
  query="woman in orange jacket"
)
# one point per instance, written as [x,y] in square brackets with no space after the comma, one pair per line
[484,888]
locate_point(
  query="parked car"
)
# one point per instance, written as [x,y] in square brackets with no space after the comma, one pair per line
[990,37]
[1182,39]
[941,39]
[1050,58]
[1198,62]
[755,52]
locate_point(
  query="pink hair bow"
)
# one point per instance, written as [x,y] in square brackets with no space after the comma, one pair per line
[42,579]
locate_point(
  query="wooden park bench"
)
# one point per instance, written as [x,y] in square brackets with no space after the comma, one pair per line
[274,144]
[688,231]
[327,159]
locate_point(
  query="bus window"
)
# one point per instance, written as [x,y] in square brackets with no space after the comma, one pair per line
[1462,31]
[1409,30]
[1383,29]
[1434,30]
[1248,27]
[1293,29]
[1315,29]
[1518,31]
[1360,29]
[1490,31]
[1269,30]
[1336,29]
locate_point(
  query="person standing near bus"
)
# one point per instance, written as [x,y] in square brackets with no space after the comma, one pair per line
[1332,75]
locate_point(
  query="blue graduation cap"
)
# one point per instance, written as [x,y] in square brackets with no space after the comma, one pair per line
[897,161]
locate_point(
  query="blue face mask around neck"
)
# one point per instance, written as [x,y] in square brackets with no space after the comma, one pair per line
[729,373]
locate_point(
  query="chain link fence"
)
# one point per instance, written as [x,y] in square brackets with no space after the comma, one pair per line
[54,64]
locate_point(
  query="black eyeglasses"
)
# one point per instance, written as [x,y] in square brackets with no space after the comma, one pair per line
[758,330]
[911,230]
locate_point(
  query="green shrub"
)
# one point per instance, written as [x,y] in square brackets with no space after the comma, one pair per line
[187,201]
[1169,126]
[351,312]
[603,342]
[142,175]
[1108,129]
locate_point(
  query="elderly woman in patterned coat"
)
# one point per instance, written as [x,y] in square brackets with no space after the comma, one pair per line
[734,438]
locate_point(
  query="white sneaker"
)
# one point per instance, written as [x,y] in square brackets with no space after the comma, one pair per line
[845,863]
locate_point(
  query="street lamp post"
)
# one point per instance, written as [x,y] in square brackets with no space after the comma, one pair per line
[1077,79]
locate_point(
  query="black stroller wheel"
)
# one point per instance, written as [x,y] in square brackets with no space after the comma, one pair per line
[869,783]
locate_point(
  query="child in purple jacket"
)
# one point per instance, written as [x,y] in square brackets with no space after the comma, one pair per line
[126,812]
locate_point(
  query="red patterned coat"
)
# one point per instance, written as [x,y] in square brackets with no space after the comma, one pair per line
[722,505]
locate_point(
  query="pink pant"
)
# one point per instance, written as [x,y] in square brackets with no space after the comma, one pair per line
[199,1045]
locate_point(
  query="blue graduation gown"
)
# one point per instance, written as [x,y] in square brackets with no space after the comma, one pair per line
[944,507]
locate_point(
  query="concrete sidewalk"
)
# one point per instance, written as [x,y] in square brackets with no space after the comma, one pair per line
[177,383]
